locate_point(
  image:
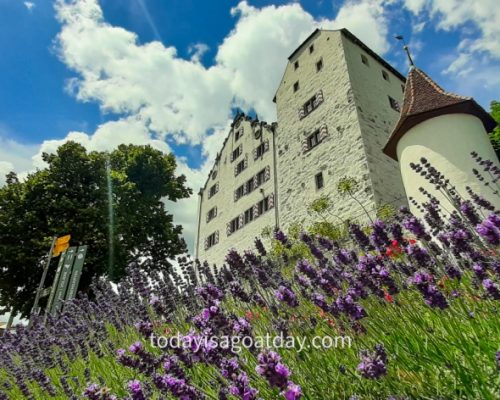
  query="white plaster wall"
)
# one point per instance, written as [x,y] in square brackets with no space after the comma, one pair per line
[446,142]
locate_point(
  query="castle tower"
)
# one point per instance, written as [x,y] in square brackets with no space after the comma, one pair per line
[336,104]
[444,128]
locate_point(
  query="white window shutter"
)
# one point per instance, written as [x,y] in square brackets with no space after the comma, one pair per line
[323,132]
[241,220]
[208,215]
[266,145]
[256,210]
[245,189]
[254,154]
[246,161]
[215,213]
[267,173]
[236,170]
[319,97]
[271,200]
[301,113]
[217,187]
[241,148]
[235,196]
[216,237]
[206,243]
[255,181]
[305,145]
[232,157]
[228,229]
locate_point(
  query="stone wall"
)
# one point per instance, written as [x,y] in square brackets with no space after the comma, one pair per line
[340,153]
[223,175]
[376,118]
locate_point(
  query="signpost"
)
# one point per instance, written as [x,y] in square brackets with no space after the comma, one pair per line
[63,280]
[54,284]
[77,272]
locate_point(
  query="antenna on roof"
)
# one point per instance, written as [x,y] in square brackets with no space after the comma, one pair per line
[406,48]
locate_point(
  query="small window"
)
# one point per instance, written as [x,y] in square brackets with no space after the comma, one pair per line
[385,75]
[259,151]
[211,214]
[403,88]
[313,140]
[319,65]
[211,240]
[240,167]
[236,152]
[319,181]
[296,64]
[394,104]
[263,205]
[214,174]
[364,59]
[249,185]
[311,49]
[238,134]
[239,192]
[234,225]
[296,86]
[212,191]
[249,215]
[311,105]
[261,177]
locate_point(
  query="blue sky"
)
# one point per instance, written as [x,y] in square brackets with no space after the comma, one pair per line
[170,73]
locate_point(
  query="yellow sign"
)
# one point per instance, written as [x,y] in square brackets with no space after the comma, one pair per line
[61,244]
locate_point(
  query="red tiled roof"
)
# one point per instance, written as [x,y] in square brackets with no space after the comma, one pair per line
[425,99]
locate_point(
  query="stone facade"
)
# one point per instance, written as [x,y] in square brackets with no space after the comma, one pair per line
[336,104]
[244,202]
[355,115]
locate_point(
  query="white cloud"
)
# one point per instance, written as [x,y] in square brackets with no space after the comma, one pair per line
[29,5]
[5,168]
[155,94]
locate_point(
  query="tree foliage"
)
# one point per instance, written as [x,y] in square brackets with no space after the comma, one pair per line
[70,196]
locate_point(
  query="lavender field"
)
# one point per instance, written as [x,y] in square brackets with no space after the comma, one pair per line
[414,300]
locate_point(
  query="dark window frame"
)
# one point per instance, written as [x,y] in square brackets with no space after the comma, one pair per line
[364,60]
[313,139]
[319,181]
[260,150]
[240,167]
[238,134]
[212,191]
[211,240]
[263,205]
[234,224]
[249,185]
[385,75]
[237,152]
[319,65]
[296,65]
[211,214]
[248,216]
[394,104]
[311,48]
[296,87]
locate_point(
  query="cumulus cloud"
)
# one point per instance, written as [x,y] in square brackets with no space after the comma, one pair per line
[156,95]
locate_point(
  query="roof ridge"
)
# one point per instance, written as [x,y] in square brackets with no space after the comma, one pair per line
[434,84]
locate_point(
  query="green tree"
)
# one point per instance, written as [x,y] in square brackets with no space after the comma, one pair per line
[70,196]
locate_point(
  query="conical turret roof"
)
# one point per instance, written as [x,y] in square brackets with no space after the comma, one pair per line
[425,99]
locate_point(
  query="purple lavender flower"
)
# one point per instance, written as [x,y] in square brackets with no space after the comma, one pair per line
[414,225]
[492,289]
[359,236]
[135,390]
[260,247]
[280,236]
[241,388]
[432,296]
[287,295]
[292,392]
[489,229]
[373,365]
[271,367]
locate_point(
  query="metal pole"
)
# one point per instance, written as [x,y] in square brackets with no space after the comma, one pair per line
[42,281]
[9,322]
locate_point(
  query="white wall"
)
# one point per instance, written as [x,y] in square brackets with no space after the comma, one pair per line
[446,142]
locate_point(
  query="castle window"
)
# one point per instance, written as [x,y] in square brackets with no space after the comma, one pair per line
[249,215]
[296,64]
[364,60]
[311,49]
[394,104]
[296,86]
[238,134]
[319,181]
[239,192]
[236,153]
[235,224]
[403,88]
[240,167]
[261,149]
[313,140]
[385,75]
[212,240]
[263,205]
[212,213]
[249,185]
[261,177]
[311,104]
[213,190]
[319,65]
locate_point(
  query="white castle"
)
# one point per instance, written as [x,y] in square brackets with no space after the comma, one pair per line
[342,111]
